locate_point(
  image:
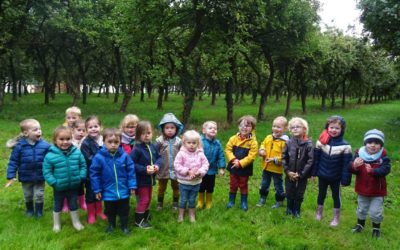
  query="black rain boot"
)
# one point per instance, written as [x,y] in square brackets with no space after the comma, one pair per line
[39,210]
[111,223]
[376,230]
[29,209]
[147,216]
[124,224]
[297,208]
[359,226]
[141,222]
[289,207]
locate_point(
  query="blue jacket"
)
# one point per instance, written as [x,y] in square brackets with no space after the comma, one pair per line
[27,160]
[64,171]
[332,161]
[144,155]
[214,153]
[89,148]
[112,175]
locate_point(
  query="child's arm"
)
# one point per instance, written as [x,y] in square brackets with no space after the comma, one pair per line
[317,156]
[48,172]
[130,168]
[229,151]
[82,168]
[13,165]
[204,165]
[179,165]
[382,170]
[251,156]
[220,160]
[309,163]
[95,175]
[139,168]
[346,173]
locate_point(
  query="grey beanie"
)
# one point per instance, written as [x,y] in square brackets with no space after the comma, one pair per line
[374,134]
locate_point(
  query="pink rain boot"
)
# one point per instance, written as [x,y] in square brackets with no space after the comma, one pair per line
[99,210]
[65,206]
[82,202]
[91,211]
[318,215]
[336,217]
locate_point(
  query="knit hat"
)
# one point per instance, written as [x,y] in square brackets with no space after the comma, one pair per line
[374,135]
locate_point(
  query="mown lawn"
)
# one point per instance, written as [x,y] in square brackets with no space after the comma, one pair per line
[218,228]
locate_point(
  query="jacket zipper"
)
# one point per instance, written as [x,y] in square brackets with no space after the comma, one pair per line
[151,162]
[116,177]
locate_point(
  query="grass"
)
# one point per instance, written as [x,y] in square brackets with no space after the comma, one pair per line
[218,228]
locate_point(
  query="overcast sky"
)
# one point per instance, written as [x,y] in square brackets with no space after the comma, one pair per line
[341,14]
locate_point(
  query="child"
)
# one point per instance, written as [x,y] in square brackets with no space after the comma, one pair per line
[78,132]
[71,115]
[64,168]
[215,156]
[241,151]
[147,162]
[113,179]
[168,144]
[297,160]
[90,145]
[26,159]
[271,152]
[190,166]
[332,156]
[128,128]
[371,165]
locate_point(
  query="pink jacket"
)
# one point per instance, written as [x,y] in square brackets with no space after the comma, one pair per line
[186,161]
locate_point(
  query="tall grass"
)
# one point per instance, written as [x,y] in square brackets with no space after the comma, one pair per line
[218,228]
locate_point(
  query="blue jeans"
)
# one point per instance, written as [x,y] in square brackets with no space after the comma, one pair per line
[278,184]
[188,194]
[70,195]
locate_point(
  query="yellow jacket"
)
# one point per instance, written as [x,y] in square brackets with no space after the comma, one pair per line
[273,149]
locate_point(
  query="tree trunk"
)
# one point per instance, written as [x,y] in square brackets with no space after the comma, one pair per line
[160,97]
[267,89]
[13,77]
[229,90]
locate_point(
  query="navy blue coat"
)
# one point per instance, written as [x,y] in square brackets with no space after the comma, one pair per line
[142,157]
[89,148]
[112,175]
[27,161]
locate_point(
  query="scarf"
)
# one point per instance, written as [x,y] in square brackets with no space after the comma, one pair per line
[368,157]
[127,139]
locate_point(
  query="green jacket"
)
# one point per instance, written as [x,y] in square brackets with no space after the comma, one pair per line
[64,171]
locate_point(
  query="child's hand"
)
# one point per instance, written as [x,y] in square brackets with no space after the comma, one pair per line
[9,183]
[133,191]
[221,172]
[269,160]
[150,169]
[261,152]
[358,162]
[292,176]
[191,174]
[369,169]
[98,196]
[156,168]
[235,163]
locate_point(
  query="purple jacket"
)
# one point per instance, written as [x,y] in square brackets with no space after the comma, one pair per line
[186,161]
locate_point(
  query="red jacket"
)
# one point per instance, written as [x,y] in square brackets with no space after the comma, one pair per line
[374,183]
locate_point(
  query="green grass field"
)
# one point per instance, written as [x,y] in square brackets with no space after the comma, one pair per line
[217,228]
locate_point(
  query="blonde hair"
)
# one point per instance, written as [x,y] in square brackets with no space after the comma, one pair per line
[24,125]
[141,128]
[128,120]
[194,136]
[207,123]
[60,130]
[283,119]
[249,119]
[299,120]
[73,110]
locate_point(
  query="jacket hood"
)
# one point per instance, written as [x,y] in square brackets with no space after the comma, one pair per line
[171,118]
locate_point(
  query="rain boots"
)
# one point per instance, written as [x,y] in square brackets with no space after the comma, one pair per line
[359,226]
[124,224]
[192,215]
[200,200]
[175,203]
[141,222]
[75,220]
[91,211]
[243,202]
[160,203]
[297,209]
[29,209]
[99,210]
[261,201]
[290,207]
[56,222]
[209,200]
[39,210]
[336,217]
[376,230]
[231,202]
[318,214]
[82,202]
[181,214]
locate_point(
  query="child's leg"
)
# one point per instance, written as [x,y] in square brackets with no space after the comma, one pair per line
[175,194]
[264,189]
[183,199]
[110,208]
[72,197]
[322,190]
[38,192]
[27,189]
[202,190]
[58,199]
[335,187]
[279,192]
[300,190]
[376,213]
[244,189]
[123,212]
[144,198]
[90,203]
[162,186]
[81,197]
[192,195]
[233,187]
[210,190]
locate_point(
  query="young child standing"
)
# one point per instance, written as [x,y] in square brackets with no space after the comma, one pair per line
[147,162]
[371,165]
[297,160]
[241,151]
[29,150]
[190,166]
[215,155]
[71,115]
[64,168]
[128,128]
[271,152]
[168,144]
[78,132]
[90,145]
[113,179]
[332,156]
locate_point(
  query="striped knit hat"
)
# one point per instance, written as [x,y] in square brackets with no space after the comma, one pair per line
[374,135]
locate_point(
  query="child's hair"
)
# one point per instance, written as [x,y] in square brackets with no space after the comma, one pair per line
[73,110]
[192,135]
[207,123]
[283,119]
[59,130]
[300,120]
[129,119]
[249,119]
[92,118]
[141,128]
[77,123]
[336,119]
[24,125]
[109,132]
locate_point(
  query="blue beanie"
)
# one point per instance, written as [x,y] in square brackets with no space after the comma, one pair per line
[374,135]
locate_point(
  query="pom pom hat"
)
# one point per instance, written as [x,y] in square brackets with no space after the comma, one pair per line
[374,135]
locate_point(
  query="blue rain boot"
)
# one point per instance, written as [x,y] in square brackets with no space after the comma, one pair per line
[231,202]
[243,202]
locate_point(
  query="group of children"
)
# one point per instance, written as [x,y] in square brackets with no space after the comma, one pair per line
[89,165]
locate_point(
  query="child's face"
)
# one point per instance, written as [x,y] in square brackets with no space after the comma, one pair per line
[112,143]
[93,128]
[147,136]
[334,129]
[169,130]
[130,130]
[278,128]
[245,128]
[373,147]
[298,130]
[191,145]
[34,132]
[71,118]
[64,140]
[79,132]
[210,131]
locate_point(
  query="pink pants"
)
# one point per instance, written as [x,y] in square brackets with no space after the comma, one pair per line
[144,199]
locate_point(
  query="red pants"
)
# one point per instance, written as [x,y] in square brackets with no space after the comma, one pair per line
[144,199]
[236,182]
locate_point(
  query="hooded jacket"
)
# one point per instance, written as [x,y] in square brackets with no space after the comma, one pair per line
[27,160]
[64,171]
[214,153]
[186,161]
[273,149]
[112,175]
[298,157]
